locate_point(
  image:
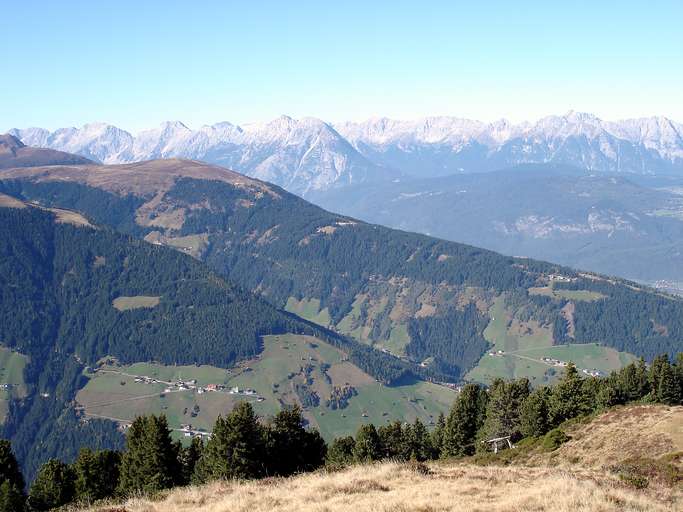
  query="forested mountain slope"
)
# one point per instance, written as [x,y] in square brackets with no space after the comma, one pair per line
[428,300]
[72,293]
[604,223]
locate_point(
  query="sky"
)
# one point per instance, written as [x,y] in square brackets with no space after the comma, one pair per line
[138,63]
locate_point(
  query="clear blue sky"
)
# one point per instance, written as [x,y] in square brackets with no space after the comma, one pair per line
[137,63]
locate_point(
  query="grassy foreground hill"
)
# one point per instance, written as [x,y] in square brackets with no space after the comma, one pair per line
[426,300]
[593,471]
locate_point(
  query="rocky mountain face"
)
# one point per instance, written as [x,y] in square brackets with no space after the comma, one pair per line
[444,145]
[309,155]
[299,155]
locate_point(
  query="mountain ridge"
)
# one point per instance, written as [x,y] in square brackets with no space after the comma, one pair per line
[309,154]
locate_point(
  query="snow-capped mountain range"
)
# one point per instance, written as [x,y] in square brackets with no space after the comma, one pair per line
[308,154]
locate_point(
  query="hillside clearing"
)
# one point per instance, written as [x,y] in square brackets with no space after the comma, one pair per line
[12,383]
[293,369]
[518,350]
[137,302]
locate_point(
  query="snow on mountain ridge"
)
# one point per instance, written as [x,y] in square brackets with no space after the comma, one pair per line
[309,154]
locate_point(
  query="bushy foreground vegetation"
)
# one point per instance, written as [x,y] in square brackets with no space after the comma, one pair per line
[244,447]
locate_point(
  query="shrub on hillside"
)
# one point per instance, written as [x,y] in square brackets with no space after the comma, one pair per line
[554,439]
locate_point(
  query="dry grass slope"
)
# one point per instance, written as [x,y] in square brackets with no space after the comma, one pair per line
[394,487]
[579,477]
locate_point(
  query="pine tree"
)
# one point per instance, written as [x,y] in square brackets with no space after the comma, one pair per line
[53,486]
[393,441]
[9,468]
[654,375]
[96,474]
[463,422]
[533,413]
[340,453]
[568,398]
[668,387]
[236,448]
[368,446]
[150,462]
[419,442]
[437,436]
[11,498]
[189,457]
[291,448]
[633,382]
[503,409]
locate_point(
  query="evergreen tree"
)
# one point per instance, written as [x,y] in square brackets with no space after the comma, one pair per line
[437,436]
[291,448]
[568,398]
[463,422]
[394,442]
[633,382]
[654,375]
[340,453]
[608,392]
[189,457]
[9,469]
[503,409]
[368,446]
[150,463]
[668,387]
[53,487]
[419,442]
[236,448]
[96,474]
[533,413]
[11,498]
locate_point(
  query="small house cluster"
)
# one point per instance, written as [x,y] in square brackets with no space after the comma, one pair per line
[590,372]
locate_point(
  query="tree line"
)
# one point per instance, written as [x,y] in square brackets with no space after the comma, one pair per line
[242,446]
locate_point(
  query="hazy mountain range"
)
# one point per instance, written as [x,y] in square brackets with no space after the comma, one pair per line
[309,155]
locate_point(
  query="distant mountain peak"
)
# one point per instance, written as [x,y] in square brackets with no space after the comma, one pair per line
[309,154]
[9,143]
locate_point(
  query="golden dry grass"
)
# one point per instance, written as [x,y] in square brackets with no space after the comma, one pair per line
[624,432]
[392,487]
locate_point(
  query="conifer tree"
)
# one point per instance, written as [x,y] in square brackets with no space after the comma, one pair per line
[464,420]
[568,398]
[9,468]
[419,442]
[236,448]
[368,446]
[189,457]
[291,448]
[150,462]
[503,409]
[633,382]
[11,498]
[437,436]
[654,375]
[394,441]
[533,413]
[53,486]
[668,387]
[96,474]
[340,453]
